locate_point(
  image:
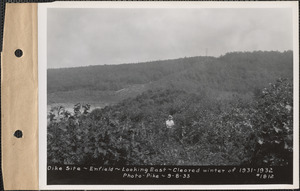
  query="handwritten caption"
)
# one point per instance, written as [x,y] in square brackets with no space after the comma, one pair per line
[167,172]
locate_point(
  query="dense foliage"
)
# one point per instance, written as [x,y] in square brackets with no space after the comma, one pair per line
[206,132]
[274,120]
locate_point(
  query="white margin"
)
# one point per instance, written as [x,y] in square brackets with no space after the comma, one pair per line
[296,93]
[42,77]
[42,95]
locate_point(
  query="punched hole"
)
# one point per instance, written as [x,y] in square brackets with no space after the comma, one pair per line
[18,134]
[19,53]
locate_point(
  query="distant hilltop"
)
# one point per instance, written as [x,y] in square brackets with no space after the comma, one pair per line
[235,72]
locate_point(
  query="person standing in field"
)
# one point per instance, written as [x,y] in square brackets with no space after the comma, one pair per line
[170,123]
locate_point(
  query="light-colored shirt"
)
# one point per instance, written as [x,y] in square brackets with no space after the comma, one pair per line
[170,123]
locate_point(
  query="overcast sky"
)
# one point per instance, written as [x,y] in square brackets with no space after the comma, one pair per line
[82,37]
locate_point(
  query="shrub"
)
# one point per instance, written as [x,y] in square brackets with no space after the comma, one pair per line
[274,122]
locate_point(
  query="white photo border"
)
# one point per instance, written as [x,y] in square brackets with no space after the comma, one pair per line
[42,81]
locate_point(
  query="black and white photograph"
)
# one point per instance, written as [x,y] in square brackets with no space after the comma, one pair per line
[169,95]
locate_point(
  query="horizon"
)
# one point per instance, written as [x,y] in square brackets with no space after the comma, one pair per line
[143,62]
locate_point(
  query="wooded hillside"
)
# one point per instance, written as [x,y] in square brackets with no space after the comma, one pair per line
[237,73]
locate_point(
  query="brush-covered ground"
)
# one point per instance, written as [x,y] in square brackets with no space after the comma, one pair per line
[206,132]
[232,110]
